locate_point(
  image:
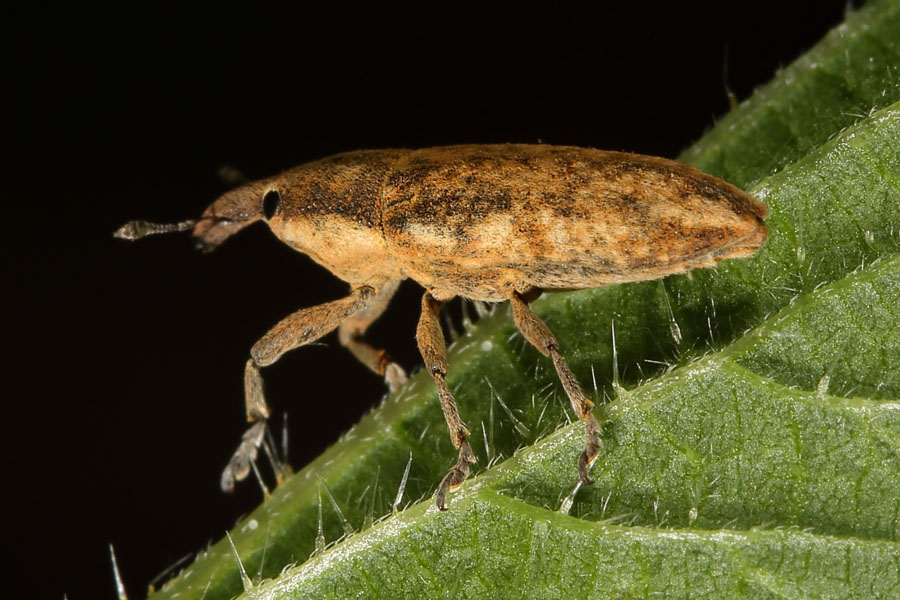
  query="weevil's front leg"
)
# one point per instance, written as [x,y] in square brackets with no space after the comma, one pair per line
[434,352]
[351,332]
[304,326]
[539,335]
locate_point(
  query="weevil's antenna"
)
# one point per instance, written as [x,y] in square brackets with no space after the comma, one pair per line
[120,585]
[134,230]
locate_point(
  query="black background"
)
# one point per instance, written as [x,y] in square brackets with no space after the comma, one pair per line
[125,359]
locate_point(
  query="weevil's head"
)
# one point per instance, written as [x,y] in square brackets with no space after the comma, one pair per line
[229,214]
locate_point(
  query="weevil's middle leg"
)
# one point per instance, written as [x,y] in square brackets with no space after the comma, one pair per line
[539,335]
[431,343]
[302,327]
[351,332]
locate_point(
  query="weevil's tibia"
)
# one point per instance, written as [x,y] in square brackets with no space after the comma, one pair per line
[431,343]
[539,335]
[304,326]
[254,397]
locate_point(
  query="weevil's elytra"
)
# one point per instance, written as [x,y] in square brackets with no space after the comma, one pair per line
[490,223]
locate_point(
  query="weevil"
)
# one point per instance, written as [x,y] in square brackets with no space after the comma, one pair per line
[485,222]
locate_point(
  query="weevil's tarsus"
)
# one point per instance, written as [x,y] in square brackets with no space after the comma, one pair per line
[433,349]
[539,335]
[117,576]
[244,459]
[582,407]
[394,377]
[457,474]
[566,504]
[239,465]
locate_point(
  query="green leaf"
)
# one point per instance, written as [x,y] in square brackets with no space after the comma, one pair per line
[753,432]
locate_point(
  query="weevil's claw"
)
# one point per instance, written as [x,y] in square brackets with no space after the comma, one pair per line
[238,466]
[456,475]
[584,464]
[591,449]
[394,376]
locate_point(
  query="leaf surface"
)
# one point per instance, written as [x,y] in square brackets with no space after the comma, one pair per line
[753,425]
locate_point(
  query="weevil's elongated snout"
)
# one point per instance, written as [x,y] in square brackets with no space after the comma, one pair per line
[229,214]
[226,216]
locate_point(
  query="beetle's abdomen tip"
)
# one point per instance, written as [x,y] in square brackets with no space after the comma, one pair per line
[752,239]
[757,207]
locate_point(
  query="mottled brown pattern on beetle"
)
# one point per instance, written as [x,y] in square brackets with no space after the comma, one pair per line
[503,222]
[494,212]
[479,220]
[341,186]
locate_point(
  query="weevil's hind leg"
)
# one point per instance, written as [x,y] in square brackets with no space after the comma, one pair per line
[434,352]
[351,332]
[302,327]
[539,335]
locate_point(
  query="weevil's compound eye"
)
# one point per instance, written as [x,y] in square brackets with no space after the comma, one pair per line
[270,203]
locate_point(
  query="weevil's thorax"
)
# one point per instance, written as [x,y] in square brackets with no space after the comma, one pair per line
[330,210]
